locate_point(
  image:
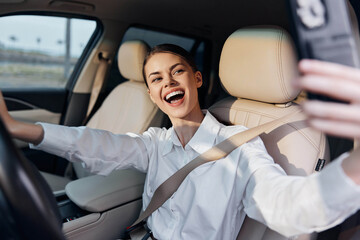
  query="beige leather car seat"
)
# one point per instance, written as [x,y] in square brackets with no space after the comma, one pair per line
[128,107]
[256,68]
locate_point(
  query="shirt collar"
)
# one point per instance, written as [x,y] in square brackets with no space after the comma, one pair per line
[203,139]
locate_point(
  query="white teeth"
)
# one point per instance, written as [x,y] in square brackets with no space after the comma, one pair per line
[173,94]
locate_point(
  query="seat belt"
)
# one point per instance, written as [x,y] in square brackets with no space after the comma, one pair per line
[219,151]
[98,83]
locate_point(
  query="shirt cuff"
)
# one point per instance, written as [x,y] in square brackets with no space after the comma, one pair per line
[38,146]
[340,192]
[55,140]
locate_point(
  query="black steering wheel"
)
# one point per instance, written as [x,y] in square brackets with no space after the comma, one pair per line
[28,208]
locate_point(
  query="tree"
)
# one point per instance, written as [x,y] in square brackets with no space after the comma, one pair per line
[13,38]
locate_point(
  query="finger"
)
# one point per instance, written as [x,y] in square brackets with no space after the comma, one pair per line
[328,69]
[336,128]
[332,111]
[339,88]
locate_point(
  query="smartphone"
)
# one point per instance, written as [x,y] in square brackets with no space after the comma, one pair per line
[322,30]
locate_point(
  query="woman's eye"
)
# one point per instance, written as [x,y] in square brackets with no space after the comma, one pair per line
[156,79]
[179,71]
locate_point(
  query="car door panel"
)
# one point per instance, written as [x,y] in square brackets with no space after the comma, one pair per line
[41,105]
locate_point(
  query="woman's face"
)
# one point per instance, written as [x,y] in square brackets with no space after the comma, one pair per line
[173,85]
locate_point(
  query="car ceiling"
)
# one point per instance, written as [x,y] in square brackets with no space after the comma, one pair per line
[207,18]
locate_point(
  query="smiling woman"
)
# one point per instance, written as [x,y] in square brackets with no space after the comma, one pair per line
[173,79]
[245,81]
[247,181]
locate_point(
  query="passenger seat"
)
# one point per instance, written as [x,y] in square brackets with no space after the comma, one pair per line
[256,68]
[128,107]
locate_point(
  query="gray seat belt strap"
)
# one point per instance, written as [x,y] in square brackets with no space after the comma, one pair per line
[219,151]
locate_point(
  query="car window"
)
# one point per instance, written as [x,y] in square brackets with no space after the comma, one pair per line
[41,51]
[152,38]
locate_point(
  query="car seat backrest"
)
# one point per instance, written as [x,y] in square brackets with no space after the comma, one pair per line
[256,68]
[128,107]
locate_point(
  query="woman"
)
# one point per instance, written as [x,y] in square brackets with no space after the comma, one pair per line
[212,201]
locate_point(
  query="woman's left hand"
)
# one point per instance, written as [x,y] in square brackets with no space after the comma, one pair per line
[338,82]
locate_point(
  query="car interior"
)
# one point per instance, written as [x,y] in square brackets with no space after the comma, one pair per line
[244,49]
[129,95]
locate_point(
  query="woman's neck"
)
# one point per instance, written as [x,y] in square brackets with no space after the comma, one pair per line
[186,128]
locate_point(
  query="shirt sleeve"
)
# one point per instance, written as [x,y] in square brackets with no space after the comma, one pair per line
[294,205]
[100,151]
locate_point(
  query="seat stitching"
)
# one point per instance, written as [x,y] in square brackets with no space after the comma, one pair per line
[275,117]
[280,68]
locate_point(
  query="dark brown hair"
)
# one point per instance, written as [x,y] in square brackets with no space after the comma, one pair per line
[170,48]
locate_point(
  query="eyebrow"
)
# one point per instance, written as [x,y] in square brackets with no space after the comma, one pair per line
[171,68]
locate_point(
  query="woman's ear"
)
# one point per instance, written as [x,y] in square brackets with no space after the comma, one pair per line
[198,79]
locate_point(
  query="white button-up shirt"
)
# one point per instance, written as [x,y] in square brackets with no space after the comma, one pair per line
[213,200]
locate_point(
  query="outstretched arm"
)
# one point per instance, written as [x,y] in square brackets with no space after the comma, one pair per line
[23,131]
[101,151]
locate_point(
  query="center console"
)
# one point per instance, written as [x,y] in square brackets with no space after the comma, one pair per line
[98,207]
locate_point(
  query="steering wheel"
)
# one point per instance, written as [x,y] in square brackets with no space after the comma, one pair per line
[28,208]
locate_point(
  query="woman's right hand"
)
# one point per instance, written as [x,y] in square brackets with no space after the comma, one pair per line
[4,114]
[23,131]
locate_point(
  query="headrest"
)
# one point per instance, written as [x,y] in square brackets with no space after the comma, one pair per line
[131,58]
[259,64]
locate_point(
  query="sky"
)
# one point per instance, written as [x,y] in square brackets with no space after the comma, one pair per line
[45,34]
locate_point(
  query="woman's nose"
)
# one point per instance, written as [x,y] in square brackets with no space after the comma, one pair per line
[169,81]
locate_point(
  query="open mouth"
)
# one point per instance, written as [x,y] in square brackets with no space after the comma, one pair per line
[175,96]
